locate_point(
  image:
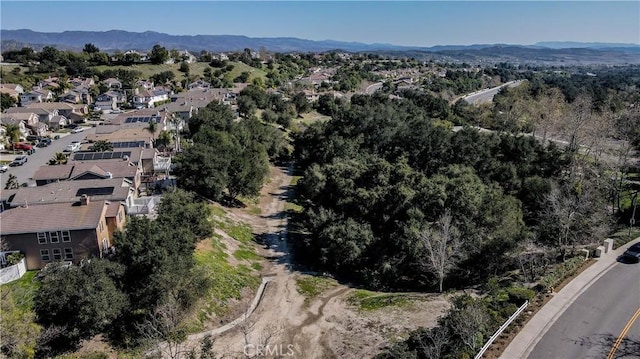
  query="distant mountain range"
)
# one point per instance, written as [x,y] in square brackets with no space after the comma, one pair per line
[113,40]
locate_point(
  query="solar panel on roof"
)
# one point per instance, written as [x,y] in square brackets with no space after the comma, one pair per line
[95,191]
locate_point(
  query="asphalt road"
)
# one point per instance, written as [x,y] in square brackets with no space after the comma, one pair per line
[591,325]
[483,96]
[42,157]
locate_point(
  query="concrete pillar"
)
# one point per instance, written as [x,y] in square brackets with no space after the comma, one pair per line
[586,253]
[599,251]
[608,245]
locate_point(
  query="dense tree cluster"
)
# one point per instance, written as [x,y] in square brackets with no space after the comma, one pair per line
[381,172]
[228,158]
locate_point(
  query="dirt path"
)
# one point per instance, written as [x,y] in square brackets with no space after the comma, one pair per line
[327,327]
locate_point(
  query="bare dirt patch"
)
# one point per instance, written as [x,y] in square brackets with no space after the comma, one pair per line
[326,325]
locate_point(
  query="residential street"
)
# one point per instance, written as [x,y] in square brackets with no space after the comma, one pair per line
[41,157]
[593,322]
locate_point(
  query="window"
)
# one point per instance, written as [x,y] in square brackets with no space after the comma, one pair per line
[44,255]
[120,216]
[54,237]
[66,236]
[42,238]
[68,253]
[101,226]
[57,254]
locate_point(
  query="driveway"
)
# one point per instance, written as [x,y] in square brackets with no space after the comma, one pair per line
[41,157]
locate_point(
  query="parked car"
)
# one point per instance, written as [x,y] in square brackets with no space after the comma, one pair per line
[4,168]
[23,146]
[632,253]
[32,138]
[44,142]
[19,161]
[77,129]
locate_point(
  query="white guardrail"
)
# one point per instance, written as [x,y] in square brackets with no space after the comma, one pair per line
[500,330]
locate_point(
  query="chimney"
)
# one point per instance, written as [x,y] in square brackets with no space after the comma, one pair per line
[84,200]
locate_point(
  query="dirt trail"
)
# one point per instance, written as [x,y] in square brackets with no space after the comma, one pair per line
[327,327]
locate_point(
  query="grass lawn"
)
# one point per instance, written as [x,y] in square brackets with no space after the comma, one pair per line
[311,287]
[227,282]
[368,301]
[240,67]
[311,117]
[195,69]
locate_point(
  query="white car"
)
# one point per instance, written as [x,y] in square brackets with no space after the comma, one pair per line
[77,129]
[4,168]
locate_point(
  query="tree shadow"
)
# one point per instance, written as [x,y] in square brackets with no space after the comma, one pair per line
[602,344]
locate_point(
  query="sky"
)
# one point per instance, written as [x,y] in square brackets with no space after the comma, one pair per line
[415,23]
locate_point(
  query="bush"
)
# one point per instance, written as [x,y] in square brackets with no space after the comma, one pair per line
[14,258]
[518,295]
[560,273]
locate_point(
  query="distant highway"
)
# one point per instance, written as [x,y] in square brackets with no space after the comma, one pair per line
[603,317]
[482,96]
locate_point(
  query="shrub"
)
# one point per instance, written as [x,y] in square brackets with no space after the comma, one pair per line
[518,295]
[14,258]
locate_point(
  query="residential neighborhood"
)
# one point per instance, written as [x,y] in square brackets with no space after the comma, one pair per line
[198,196]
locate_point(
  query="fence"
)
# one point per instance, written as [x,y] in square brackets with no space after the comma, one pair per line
[500,330]
[11,273]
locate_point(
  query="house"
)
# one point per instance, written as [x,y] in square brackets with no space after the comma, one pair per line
[59,108]
[118,134]
[63,191]
[146,84]
[118,96]
[112,83]
[186,56]
[183,110]
[88,169]
[77,95]
[43,114]
[143,57]
[62,232]
[149,98]
[82,82]
[13,90]
[57,122]
[52,173]
[198,85]
[38,95]
[92,166]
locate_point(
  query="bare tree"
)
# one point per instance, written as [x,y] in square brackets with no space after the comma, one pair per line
[164,332]
[576,121]
[441,242]
[437,339]
[549,111]
[262,341]
[469,322]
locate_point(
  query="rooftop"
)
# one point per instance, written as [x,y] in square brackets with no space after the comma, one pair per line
[52,217]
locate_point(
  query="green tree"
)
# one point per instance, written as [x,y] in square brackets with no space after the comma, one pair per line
[90,48]
[301,103]
[202,169]
[82,299]
[6,101]
[103,145]
[181,208]
[58,159]
[13,133]
[184,67]
[158,55]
